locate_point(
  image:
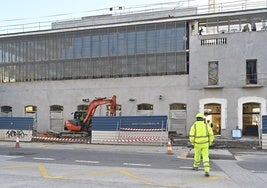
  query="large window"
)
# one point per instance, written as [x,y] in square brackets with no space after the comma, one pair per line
[251,71]
[145,49]
[213,76]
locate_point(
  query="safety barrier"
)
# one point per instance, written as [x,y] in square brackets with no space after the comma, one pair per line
[13,127]
[61,140]
[264,132]
[151,130]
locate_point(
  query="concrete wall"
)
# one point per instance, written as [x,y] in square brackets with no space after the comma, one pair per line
[189,89]
[70,94]
[232,58]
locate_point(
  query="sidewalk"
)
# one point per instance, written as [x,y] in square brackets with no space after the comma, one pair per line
[219,142]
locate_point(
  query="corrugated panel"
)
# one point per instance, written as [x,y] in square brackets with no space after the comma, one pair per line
[264,141]
[134,122]
[130,129]
[144,122]
[264,124]
[100,137]
[105,123]
[16,123]
[116,137]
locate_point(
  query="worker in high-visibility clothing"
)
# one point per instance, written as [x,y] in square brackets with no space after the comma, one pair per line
[201,137]
[209,123]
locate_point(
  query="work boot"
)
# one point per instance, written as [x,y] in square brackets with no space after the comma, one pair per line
[195,168]
[207,174]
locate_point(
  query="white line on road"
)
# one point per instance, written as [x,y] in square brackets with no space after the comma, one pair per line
[133,164]
[45,159]
[191,167]
[11,156]
[82,161]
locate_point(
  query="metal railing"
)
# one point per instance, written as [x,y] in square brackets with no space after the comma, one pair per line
[255,79]
[213,41]
[203,9]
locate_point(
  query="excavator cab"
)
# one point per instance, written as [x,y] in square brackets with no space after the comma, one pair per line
[77,124]
[79,115]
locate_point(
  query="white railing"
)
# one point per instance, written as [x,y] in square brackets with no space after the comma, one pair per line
[19,26]
[257,79]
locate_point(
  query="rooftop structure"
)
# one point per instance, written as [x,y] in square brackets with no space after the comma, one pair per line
[176,9]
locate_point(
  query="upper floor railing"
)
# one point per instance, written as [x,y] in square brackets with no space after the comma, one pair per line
[259,79]
[26,25]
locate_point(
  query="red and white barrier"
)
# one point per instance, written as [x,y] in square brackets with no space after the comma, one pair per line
[141,130]
[52,139]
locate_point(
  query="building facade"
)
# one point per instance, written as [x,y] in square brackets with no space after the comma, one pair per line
[174,62]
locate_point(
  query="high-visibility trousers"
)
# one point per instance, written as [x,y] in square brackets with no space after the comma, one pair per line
[202,150]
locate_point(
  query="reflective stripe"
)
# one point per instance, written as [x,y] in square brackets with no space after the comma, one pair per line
[201,136]
[206,142]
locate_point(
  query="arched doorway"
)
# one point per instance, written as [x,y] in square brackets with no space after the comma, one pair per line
[145,109]
[216,109]
[250,110]
[251,118]
[56,118]
[31,111]
[177,120]
[212,112]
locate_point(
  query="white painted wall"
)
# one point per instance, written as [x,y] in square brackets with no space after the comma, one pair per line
[70,94]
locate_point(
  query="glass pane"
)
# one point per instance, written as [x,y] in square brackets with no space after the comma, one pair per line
[251,71]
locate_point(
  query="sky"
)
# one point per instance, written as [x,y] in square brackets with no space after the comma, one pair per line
[15,11]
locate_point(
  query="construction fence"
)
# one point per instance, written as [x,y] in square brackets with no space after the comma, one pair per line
[264,132]
[13,127]
[150,130]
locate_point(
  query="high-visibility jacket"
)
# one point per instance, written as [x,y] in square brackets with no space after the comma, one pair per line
[210,124]
[201,133]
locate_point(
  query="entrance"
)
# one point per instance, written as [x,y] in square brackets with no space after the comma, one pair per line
[31,111]
[56,118]
[251,118]
[212,112]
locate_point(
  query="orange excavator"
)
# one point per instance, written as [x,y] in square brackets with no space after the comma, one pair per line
[82,119]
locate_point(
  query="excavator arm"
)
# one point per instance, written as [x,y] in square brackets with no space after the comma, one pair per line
[75,125]
[97,102]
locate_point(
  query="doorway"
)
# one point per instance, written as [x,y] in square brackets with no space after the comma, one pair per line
[31,111]
[251,118]
[212,112]
[56,118]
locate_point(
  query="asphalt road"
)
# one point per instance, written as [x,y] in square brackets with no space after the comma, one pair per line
[68,165]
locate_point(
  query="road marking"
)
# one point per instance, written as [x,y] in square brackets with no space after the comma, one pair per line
[45,173]
[259,171]
[10,156]
[45,159]
[133,176]
[189,167]
[82,161]
[134,164]
[150,152]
